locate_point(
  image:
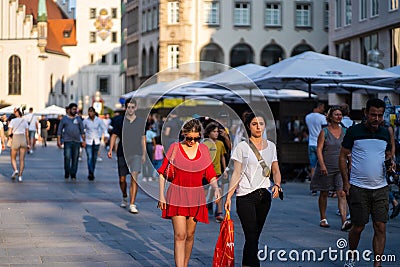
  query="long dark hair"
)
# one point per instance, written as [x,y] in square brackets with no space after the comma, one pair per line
[192,126]
[249,117]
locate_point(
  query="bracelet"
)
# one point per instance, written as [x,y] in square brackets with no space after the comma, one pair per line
[276,185]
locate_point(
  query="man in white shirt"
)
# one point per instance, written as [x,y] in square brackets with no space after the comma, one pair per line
[315,121]
[33,127]
[94,129]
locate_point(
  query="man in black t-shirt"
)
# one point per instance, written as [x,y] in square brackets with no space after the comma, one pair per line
[131,151]
[44,128]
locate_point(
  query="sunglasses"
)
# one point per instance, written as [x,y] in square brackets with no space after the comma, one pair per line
[190,139]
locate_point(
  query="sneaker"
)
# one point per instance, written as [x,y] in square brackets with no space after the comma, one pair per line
[350,263]
[396,211]
[150,179]
[14,174]
[79,158]
[31,151]
[144,179]
[219,218]
[133,209]
[19,178]
[313,193]
[73,179]
[124,202]
[338,213]
[99,159]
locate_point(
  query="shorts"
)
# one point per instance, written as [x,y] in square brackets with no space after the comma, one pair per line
[312,156]
[135,165]
[32,134]
[19,141]
[363,202]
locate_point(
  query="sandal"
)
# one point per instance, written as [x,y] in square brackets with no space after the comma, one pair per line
[346,226]
[324,223]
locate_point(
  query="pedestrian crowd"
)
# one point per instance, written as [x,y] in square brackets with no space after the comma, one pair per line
[200,163]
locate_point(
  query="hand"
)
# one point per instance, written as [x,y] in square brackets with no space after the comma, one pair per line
[59,145]
[225,175]
[323,171]
[217,195]
[83,144]
[162,205]
[275,191]
[228,204]
[109,154]
[346,188]
[143,159]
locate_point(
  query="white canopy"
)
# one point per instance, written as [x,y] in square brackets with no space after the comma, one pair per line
[51,110]
[8,110]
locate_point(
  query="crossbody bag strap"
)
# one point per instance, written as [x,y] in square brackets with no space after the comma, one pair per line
[258,155]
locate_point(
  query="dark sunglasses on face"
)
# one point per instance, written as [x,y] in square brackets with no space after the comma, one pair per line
[189,139]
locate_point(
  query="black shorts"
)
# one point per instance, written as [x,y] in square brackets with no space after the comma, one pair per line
[363,202]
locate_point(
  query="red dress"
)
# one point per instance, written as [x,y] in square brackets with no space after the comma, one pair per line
[185,195]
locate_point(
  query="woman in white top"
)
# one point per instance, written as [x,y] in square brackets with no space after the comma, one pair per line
[252,184]
[18,129]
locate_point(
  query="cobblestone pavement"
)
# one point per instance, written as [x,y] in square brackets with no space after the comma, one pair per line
[47,221]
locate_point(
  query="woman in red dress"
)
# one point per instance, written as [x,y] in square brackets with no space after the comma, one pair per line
[184,202]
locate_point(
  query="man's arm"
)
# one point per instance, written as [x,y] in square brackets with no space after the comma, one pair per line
[344,171]
[144,153]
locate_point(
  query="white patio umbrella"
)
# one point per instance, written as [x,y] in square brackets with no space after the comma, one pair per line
[311,68]
[8,110]
[390,82]
[51,110]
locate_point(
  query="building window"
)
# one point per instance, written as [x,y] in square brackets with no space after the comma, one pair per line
[349,12]
[63,85]
[149,20]
[211,13]
[155,18]
[241,14]
[363,9]
[343,50]
[92,13]
[271,54]
[301,49]
[14,75]
[91,58]
[368,43]
[173,56]
[114,37]
[51,84]
[67,34]
[104,84]
[241,54]
[173,12]
[326,15]
[338,14]
[144,21]
[92,37]
[272,14]
[115,59]
[114,13]
[374,8]
[303,15]
[393,4]
[103,59]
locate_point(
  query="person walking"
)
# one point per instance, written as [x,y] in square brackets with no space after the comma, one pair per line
[366,187]
[217,152]
[346,121]
[327,175]
[2,137]
[33,126]
[150,149]
[94,130]
[314,121]
[251,181]
[131,153]
[18,131]
[184,202]
[44,129]
[72,132]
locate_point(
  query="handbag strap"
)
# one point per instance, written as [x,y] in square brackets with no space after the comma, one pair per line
[258,155]
[174,153]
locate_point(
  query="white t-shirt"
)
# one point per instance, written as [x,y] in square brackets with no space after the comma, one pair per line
[252,174]
[314,122]
[32,120]
[18,125]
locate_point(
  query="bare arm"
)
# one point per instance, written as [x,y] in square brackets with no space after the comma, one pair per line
[233,183]
[277,179]
[113,139]
[320,146]
[143,148]
[344,171]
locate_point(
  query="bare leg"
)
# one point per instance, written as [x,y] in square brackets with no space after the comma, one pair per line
[14,158]
[342,204]
[354,236]
[322,203]
[123,185]
[190,230]
[184,230]
[379,240]
[22,153]
[133,187]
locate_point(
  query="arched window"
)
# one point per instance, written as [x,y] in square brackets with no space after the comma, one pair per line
[213,53]
[152,62]
[144,63]
[241,54]
[14,75]
[300,49]
[271,54]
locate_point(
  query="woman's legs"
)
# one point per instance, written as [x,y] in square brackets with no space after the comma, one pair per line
[322,203]
[342,204]
[22,153]
[184,230]
[14,159]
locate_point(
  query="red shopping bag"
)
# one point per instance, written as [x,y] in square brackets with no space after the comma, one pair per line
[224,254]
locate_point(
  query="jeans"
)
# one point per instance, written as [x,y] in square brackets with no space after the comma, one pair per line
[91,153]
[253,209]
[148,165]
[71,154]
